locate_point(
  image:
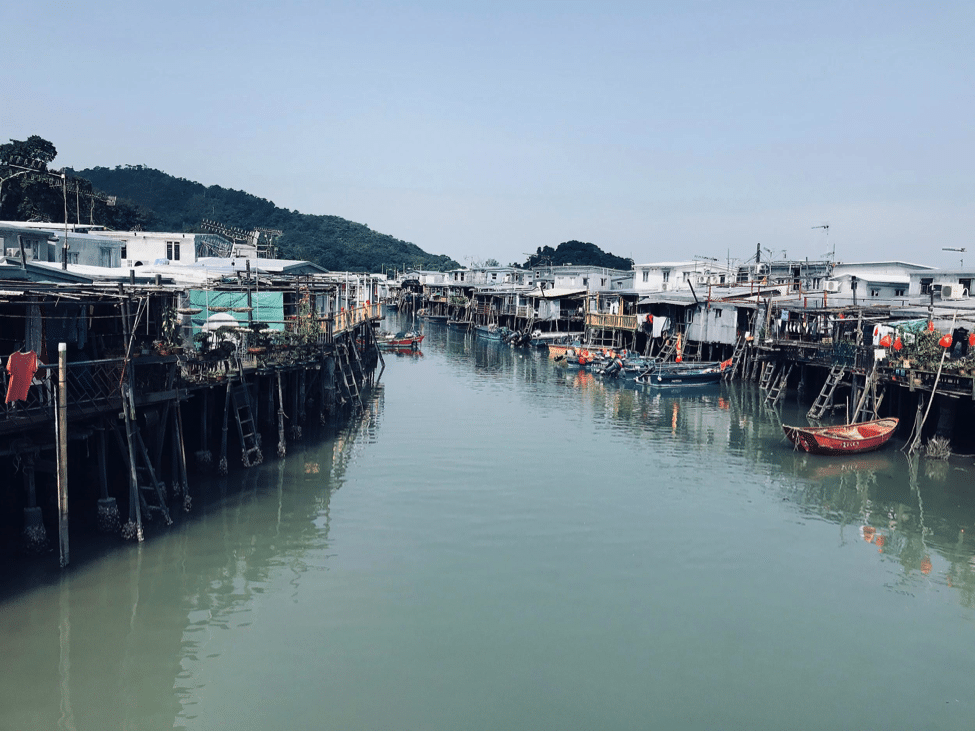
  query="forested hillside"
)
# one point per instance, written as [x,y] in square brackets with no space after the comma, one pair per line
[137,197]
[335,243]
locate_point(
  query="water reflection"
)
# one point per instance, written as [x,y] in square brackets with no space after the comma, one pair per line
[129,641]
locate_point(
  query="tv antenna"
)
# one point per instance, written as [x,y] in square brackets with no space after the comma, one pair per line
[825,227]
[953,249]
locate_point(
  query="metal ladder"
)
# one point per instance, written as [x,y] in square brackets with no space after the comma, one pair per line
[825,399]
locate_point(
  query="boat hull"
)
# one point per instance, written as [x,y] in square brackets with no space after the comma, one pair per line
[680,377]
[845,439]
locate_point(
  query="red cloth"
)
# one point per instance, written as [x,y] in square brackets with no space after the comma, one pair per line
[21,367]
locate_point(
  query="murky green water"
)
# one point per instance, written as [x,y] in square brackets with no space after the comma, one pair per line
[500,543]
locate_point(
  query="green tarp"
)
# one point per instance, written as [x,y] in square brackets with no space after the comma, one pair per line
[268,307]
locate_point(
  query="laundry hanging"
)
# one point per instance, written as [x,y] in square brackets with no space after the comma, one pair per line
[21,367]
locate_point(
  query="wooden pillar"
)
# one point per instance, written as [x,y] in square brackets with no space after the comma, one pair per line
[108,515]
[133,528]
[62,433]
[282,445]
[222,466]
[35,535]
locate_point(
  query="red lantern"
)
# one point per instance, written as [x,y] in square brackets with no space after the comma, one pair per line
[946,340]
[931,325]
[886,341]
[897,344]
[679,359]
[971,339]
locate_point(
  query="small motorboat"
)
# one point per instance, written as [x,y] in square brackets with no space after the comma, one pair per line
[680,376]
[403,339]
[842,439]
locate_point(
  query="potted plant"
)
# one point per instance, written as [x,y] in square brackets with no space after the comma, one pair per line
[170,332]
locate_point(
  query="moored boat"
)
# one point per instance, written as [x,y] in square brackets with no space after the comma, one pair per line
[403,339]
[842,439]
[662,377]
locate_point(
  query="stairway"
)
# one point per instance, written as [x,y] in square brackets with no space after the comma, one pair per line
[825,399]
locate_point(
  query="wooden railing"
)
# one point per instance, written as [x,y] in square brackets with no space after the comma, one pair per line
[606,321]
[350,318]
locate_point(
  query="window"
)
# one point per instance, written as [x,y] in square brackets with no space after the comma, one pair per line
[646,275]
[124,251]
[898,292]
[926,285]
[874,292]
[717,313]
[175,250]
[666,275]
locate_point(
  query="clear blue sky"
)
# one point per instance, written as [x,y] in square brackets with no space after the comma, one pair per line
[655,130]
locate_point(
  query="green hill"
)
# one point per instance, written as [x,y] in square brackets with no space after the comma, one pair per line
[177,204]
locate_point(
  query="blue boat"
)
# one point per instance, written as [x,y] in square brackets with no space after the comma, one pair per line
[488,332]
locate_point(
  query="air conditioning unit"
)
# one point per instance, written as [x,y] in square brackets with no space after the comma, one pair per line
[953,291]
[831,286]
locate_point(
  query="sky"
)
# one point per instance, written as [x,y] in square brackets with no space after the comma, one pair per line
[657,130]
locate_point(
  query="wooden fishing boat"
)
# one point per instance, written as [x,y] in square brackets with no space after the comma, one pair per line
[842,439]
[488,332]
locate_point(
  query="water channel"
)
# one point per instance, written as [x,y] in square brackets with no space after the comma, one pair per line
[498,542]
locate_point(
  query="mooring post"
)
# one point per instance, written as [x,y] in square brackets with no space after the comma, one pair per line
[62,433]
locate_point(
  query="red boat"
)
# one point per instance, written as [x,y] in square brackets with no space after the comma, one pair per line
[409,339]
[842,439]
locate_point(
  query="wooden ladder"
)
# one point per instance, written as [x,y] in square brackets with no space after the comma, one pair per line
[668,349]
[737,360]
[869,403]
[825,399]
[351,388]
[777,390]
[768,375]
[250,438]
[150,487]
